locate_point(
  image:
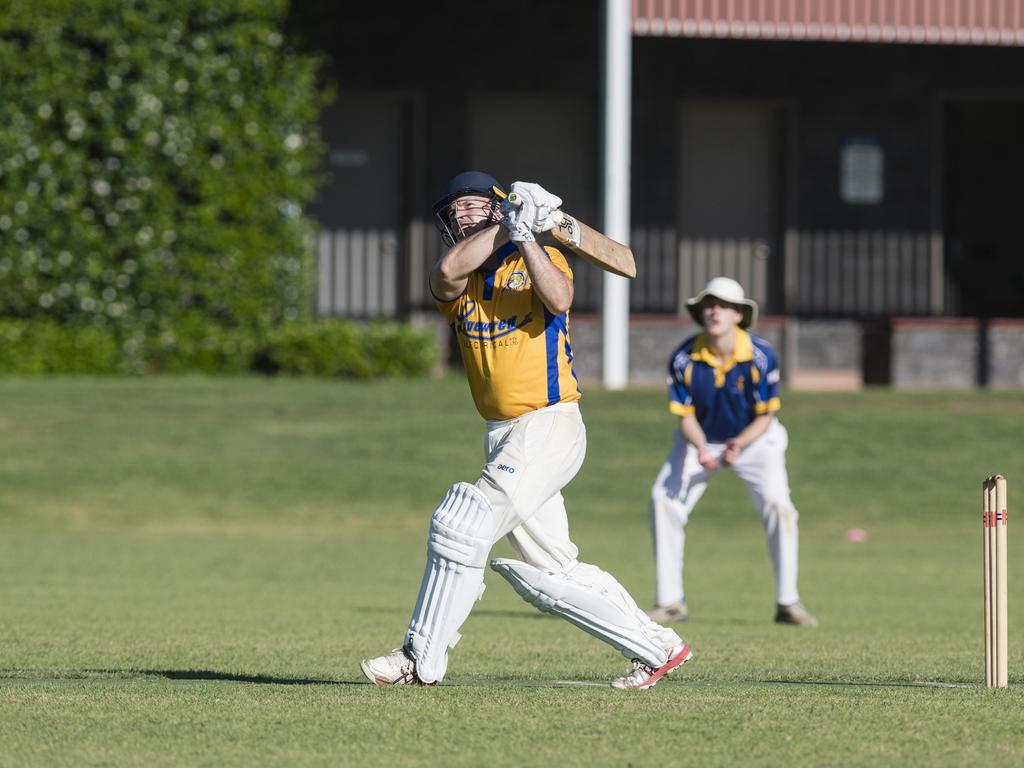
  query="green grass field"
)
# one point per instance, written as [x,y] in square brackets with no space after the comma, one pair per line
[191,569]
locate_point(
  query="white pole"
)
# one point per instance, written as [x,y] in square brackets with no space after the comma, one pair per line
[618,74]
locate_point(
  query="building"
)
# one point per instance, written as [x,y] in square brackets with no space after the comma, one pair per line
[852,163]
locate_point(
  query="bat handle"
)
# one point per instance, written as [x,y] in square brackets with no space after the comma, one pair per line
[567,230]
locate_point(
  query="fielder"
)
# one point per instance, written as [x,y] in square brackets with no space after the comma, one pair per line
[723,385]
[508,300]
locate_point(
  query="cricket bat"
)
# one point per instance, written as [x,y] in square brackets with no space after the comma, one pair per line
[600,250]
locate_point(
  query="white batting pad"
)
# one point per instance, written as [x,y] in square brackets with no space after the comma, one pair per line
[457,546]
[595,602]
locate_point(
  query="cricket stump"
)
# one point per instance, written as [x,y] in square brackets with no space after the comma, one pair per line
[996,635]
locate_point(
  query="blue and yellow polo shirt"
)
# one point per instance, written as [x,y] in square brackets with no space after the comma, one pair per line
[516,354]
[725,395]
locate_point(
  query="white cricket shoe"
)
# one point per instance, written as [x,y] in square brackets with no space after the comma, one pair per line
[644,676]
[794,614]
[668,614]
[396,668]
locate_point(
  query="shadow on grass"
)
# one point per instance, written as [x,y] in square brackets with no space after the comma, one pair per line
[120,675]
[205,674]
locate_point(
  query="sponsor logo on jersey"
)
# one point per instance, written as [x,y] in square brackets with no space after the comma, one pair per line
[507,468]
[492,329]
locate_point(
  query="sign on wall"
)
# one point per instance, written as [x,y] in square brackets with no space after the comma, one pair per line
[861,171]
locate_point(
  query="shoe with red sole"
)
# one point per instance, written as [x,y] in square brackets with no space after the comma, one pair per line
[646,676]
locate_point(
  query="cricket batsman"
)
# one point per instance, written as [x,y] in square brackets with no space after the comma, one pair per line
[508,300]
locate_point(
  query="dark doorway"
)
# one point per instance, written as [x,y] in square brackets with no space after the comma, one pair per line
[730,193]
[983,203]
[361,208]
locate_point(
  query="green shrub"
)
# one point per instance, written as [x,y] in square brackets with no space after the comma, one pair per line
[396,350]
[155,160]
[195,344]
[330,348]
[44,346]
[343,349]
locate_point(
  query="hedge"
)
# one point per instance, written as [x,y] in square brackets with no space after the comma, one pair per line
[44,346]
[155,162]
[330,348]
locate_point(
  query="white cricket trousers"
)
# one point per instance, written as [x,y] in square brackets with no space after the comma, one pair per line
[529,460]
[682,481]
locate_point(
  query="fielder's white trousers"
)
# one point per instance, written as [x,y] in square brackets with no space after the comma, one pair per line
[682,481]
[529,460]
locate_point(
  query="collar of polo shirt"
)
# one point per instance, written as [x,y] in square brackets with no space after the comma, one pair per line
[742,352]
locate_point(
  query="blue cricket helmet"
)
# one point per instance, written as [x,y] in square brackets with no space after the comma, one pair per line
[465,183]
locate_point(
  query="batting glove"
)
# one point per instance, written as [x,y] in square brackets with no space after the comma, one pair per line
[546,204]
[518,216]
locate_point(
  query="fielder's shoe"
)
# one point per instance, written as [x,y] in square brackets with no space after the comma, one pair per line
[667,614]
[794,614]
[644,676]
[397,668]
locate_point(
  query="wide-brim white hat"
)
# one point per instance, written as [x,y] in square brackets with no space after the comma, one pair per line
[729,291]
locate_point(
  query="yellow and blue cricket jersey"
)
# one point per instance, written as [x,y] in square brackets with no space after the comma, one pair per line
[516,354]
[725,395]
